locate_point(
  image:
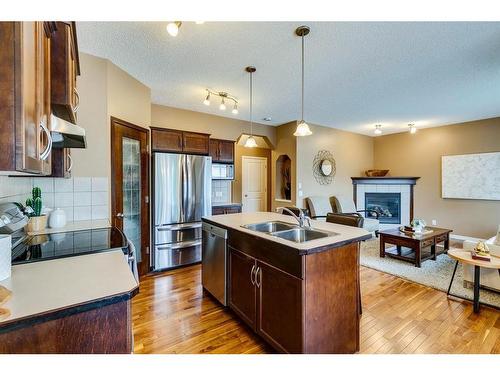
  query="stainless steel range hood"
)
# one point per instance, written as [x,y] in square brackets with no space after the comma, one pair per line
[66,135]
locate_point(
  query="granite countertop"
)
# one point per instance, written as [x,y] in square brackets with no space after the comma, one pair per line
[45,290]
[225,204]
[346,234]
[74,226]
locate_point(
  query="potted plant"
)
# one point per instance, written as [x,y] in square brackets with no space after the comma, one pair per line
[37,221]
[418,225]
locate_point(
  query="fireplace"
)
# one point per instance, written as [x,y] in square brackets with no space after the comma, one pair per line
[387,205]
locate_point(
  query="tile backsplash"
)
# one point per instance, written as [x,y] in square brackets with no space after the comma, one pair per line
[221,191]
[82,198]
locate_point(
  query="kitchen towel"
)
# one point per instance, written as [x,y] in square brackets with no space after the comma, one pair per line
[5,256]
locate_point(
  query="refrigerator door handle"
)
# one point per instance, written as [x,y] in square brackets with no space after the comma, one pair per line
[178,226]
[180,245]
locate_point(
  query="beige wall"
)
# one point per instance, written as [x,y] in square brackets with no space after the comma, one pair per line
[93,117]
[105,90]
[286,144]
[353,154]
[128,99]
[420,155]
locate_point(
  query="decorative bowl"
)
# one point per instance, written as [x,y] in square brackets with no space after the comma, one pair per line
[376,172]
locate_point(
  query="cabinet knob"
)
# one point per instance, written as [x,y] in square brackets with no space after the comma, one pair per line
[119,215]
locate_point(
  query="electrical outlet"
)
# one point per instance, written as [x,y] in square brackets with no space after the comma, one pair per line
[434,222]
[300,193]
[299,185]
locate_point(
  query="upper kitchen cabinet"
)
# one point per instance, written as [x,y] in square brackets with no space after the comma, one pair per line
[65,67]
[169,140]
[25,138]
[221,151]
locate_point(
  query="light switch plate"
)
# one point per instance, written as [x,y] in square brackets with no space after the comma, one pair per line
[434,222]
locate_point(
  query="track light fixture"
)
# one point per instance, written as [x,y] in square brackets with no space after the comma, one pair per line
[378,129]
[173,27]
[413,128]
[224,96]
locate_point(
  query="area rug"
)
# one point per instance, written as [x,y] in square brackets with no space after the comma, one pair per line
[435,274]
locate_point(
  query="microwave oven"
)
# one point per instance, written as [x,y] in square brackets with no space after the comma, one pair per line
[222,171]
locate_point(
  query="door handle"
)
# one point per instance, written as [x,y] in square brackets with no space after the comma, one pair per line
[77,97]
[45,154]
[119,215]
[70,159]
[252,275]
[258,277]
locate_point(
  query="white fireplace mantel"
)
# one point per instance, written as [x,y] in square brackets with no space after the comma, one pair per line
[402,185]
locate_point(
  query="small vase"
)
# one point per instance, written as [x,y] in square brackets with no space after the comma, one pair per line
[36,223]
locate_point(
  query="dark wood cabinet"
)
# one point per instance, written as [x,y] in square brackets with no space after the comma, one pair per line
[223,210]
[25,138]
[170,140]
[267,299]
[242,291]
[166,140]
[65,67]
[61,162]
[195,143]
[279,308]
[297,303]
[221,151]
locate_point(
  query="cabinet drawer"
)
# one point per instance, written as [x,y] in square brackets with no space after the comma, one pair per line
[441,238]
[428,242]
[177,233]
[177,254]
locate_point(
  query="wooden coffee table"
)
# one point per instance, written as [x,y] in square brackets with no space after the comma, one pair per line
[412,247]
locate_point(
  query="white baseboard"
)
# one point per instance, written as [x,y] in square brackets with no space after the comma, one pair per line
[465,238]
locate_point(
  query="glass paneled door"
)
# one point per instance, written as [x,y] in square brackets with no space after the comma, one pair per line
[130,186]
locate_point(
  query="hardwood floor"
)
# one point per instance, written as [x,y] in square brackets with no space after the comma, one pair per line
[172,315]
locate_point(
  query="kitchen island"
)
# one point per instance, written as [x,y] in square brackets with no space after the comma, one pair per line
[77,304]
[301,297]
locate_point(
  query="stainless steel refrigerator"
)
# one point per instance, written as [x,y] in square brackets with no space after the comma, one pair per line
[182,195]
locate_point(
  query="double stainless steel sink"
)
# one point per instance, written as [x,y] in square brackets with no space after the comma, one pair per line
[289,232]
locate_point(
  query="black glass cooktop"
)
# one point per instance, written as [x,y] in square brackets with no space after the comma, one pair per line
[60,245]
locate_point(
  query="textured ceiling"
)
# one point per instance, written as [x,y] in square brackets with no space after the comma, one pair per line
[357,74]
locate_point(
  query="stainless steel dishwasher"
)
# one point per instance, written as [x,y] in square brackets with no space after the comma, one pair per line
[213,260]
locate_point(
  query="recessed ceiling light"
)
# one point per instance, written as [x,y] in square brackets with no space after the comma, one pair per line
[267,119]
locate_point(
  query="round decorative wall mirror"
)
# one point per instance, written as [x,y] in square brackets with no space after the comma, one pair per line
[324,167]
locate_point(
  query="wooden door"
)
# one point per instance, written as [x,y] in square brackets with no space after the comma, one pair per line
[242,296]
[279,308]
[195,143]
[130,186]
[213,149]
[226,151]
[254,184]
[35,98]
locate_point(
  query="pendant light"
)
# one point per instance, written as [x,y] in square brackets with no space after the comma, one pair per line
[250,142]
[302,127]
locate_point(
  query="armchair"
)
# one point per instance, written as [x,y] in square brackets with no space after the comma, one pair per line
[345,205]
[319,207]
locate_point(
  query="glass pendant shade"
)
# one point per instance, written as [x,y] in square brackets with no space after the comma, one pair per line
[250,142]
[302,129]
[173,28]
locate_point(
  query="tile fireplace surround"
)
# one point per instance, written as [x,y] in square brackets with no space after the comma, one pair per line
[401,185]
